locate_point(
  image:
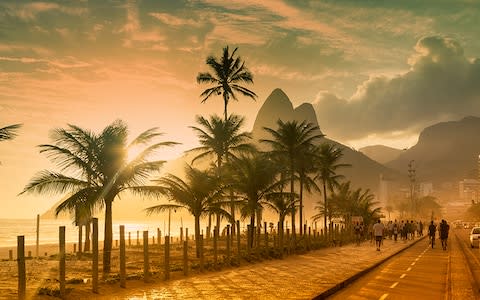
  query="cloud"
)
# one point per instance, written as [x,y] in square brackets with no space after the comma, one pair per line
[30,11]
[442,84]
[174,21]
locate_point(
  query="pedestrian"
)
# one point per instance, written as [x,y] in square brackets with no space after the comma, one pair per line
[378,229]
[444,228]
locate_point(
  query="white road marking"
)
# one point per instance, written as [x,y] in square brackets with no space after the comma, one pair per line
[384,296]
[394,285]
[412,264]
[409,269]
[403,275]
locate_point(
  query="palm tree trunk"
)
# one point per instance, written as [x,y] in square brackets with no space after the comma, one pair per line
[292,199]
[87,237]
[325,207]
[301,206]
[252,230]
[197,236]
[107,243]
[80,237]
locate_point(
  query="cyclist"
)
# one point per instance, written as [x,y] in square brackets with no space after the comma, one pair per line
[444,227]
[431,232]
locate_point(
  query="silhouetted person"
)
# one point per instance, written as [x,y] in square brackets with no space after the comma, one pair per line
[444,228]
[378,229]
[431,232]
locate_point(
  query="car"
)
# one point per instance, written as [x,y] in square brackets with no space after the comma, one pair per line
[475,237]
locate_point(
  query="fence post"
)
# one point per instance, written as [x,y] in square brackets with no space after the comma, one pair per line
[186,234]
[228,243]
[266,234]
[167,257]
[215,245]
[138,238]
[129,239]
[95,256]
[123,273]
[22,280]
[238,240]
[201,253]
[146,263]
[181,234]
[10,254]
[61,233]
[38,238]
[185,258]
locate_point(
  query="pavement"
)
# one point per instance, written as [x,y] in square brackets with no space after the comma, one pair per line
[316,274]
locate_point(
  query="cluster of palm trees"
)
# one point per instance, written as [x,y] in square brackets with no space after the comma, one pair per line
[238,177]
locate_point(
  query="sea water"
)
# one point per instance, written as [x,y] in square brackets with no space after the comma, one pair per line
[49,230]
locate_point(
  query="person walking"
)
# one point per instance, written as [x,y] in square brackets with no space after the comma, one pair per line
[431,232]
[378,230]
[444,228]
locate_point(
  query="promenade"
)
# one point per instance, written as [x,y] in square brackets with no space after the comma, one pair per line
[294,277]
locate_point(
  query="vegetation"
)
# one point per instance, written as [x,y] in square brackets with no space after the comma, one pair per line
[291,142]
[9,132]
[97,170]
[228,74]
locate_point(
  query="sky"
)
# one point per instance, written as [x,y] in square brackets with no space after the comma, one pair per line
[377,72]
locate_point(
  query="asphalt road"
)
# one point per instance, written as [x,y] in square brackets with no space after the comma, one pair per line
[420,272]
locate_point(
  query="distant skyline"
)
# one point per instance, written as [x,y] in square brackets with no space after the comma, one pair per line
[376,72]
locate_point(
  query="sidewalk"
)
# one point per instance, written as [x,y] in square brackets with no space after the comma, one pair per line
[295,277]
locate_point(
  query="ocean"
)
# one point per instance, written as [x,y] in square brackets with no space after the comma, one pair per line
[11,228]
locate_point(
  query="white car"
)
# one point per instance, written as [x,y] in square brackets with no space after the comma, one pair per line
[475,237]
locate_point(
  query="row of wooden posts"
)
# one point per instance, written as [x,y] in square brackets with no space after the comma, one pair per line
[277,243]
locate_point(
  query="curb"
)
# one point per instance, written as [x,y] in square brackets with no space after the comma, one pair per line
[353,278]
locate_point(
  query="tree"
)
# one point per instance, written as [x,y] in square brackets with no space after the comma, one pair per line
[9,132]
[222,140]
[289,141]
[96,176]
[252,178]
[228,73]
[328,157]
[199,194]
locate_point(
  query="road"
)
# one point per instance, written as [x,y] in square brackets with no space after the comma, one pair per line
[421,272]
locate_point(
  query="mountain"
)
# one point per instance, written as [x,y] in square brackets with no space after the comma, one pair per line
[445,152]
[380,153]
[364,171]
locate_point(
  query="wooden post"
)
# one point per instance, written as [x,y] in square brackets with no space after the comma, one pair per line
[159,235]
[266,234]
[95,256]
[123,270]
[186,234]
[74,248]
[288,240]
[146,263]
[116,243]
[138,238]
[229,241]
[38,237]
[129,240]
[22,279]
[238,240]
[153,240]
[29,254]
[61,233]
[10,255]
[185,258]
[309,243]
[80,234]
[181,234]
[201,253]
[215,246]
[167,257]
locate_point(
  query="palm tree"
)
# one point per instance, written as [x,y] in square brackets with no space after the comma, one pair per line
[97,175]
[9,132]
[328,164]
[223,141]
[252,178]
[199,194]
[228,73]
[288,141]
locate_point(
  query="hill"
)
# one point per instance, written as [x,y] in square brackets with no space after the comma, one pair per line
[380,153]
[445,152]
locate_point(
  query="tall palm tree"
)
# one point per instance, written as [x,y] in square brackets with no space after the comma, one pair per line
[221,140]
[98,175]
[328,157]
[288,141]
[199,194]
[252,178]
[228,74]
[9,132]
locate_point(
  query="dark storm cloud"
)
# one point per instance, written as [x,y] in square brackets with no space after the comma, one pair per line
[442,84]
